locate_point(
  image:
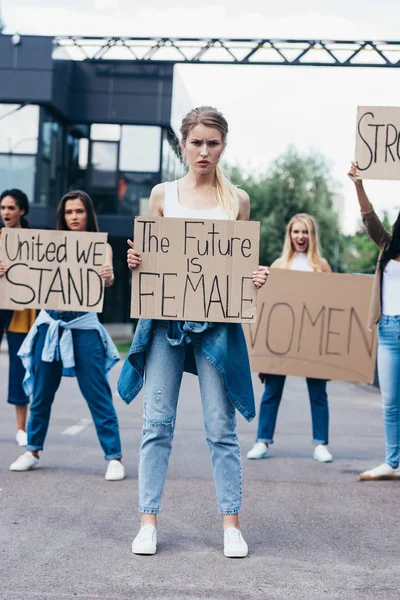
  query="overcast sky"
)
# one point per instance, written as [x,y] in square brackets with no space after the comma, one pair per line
[267,108]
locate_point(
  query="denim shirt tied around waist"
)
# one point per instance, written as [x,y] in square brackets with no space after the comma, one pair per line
[58,344]
[222,344]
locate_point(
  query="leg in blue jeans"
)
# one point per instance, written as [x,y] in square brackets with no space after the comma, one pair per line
[163,376]
[90,371]
[16,373]
[269,408]
[220,425]
[164,369]
[319,410]
[389,381]
[47,380]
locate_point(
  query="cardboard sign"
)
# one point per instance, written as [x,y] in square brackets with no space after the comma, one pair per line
[378,142]
[314,325]
[52,269]
[195,270]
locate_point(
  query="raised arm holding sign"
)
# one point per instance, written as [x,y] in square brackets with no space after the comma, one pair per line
[385,311]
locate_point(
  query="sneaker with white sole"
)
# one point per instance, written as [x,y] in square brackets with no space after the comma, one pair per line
[322,454]
[384,471]
[234,544]
[259,450]
[146,540]
[25,462]
[21,438]
[115,471]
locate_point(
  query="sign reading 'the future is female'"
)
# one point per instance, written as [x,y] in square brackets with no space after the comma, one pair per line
[195,270]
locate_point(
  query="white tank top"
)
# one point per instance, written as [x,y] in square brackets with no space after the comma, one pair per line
[300,262]
[391,289]
[172,207]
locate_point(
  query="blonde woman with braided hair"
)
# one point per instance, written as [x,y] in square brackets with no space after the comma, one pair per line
[216,352]
[300,253]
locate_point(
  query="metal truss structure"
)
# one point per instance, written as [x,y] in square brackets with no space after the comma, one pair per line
[316,53]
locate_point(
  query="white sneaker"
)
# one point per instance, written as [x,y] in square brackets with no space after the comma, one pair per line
[25,462]
[322,454]
[384,471]
[115,471]
[146,540]
[259,450]
[234,544]
[21,438]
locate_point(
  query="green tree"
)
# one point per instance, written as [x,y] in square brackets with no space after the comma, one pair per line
[295,183]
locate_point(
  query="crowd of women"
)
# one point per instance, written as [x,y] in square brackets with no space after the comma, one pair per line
[162,350]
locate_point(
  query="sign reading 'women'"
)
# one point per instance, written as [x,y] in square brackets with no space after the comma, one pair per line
[195,270]
[314,325]
[52,269]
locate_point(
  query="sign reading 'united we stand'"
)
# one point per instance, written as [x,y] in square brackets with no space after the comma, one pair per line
[52,269]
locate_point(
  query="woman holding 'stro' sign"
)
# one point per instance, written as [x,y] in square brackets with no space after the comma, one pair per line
[385,311]
[162,350]
[300,253]
[14,206]
[72,343]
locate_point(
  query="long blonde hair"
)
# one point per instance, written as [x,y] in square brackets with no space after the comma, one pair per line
[227,196]
[313,250]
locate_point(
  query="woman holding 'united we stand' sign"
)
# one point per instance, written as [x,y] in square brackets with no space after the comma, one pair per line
[162,350]
[385,311]
[72,343]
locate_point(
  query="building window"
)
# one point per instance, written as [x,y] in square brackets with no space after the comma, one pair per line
[134,191]
[19,128]
[52,160]
[18,171]
[140,149]
[104,162]
[105,133]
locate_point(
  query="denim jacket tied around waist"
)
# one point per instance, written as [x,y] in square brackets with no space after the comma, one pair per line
[222,344]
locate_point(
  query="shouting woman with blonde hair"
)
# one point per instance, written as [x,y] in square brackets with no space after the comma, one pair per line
[162,350]
[300,253]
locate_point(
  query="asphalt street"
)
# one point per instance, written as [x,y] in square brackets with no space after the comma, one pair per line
[314,530]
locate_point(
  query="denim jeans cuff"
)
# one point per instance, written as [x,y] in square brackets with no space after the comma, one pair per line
[18,401]
[32,448]
[265,441]
[149,511]
[113,456]
[320,442]
[234,511]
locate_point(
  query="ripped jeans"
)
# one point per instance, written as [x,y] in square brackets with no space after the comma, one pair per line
[163,376]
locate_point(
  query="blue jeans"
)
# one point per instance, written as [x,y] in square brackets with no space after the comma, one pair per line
[163,370]
[270,404]
[16,371]
[93,383]
[389,381]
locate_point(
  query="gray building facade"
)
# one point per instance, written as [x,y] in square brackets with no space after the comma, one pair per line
[101,126]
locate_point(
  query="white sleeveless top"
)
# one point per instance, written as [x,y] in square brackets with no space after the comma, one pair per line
[300,262]
[172,207]
[391,289]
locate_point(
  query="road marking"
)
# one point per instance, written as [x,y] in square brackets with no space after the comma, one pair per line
[75,429]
